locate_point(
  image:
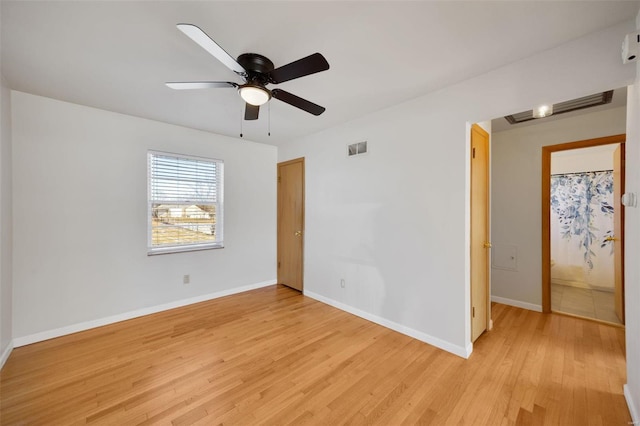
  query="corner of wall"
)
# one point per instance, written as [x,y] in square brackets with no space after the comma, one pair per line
[633,410]
[6,224]
[5,354]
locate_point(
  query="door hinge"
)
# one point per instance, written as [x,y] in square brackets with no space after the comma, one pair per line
[473,155]
[279,179]
[473,312]
[278,264]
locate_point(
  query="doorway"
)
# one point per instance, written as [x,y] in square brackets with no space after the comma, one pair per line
[291,223]
[582,229]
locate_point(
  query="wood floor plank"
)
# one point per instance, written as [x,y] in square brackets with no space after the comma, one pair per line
[272,356]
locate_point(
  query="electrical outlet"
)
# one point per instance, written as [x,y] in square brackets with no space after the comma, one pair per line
[342,283]
[186,279]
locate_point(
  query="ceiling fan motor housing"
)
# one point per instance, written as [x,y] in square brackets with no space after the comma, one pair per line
[257,66]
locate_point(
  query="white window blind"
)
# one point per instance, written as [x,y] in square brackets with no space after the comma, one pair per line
[185,203]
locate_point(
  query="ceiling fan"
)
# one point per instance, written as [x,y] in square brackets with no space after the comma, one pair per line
[257,71]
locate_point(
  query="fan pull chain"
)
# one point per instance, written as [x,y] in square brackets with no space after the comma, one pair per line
[269,131]
[241,120]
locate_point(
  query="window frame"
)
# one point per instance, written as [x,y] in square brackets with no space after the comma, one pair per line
[219,207]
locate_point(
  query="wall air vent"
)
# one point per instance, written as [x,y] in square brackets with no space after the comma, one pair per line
[568,106]
[357,149]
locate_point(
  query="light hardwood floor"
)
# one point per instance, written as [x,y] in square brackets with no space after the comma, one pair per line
[273,356]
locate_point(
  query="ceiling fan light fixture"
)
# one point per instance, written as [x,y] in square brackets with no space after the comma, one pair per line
[254,95]
[542,111]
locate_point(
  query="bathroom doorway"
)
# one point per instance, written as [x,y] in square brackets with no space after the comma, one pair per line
[584,228]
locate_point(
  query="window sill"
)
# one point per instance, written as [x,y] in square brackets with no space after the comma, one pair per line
[178,249]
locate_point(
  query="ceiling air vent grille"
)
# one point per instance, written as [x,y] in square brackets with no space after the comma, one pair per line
[568,106]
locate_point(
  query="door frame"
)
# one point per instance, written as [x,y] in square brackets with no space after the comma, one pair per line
[546,203]
[278,230]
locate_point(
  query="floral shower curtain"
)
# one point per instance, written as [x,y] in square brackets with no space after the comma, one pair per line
[582,219]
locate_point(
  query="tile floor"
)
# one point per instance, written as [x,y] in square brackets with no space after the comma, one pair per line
[584,302]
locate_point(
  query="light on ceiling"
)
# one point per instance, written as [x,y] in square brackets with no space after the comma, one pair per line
[254,95]
[543,111]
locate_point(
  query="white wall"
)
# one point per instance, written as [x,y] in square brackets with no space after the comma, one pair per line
[585,159]
[516,190]
[80,217]
[632,248]
[6,238]
[394,223]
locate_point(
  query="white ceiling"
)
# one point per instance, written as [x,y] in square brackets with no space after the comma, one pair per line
[116,55]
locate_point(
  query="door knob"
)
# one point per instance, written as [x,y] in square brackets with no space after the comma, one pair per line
[297,233]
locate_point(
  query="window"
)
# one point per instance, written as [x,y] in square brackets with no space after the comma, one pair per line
[185,203]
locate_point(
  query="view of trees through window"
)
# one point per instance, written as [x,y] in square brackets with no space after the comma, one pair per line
[184,199]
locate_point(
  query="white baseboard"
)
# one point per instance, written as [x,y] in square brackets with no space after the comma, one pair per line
[633,408]
[463,352]
[5,354]
[62,331]
[516,303]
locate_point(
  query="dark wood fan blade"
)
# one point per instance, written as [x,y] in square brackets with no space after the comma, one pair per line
[182,85]
[305,66]
[297,101]
[251,112]
[207,43]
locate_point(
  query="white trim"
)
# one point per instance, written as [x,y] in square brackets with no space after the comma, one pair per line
[182,249]
[434,341]
[516,303]
[62,331]
[5,354]
[633,409]
[468,350]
